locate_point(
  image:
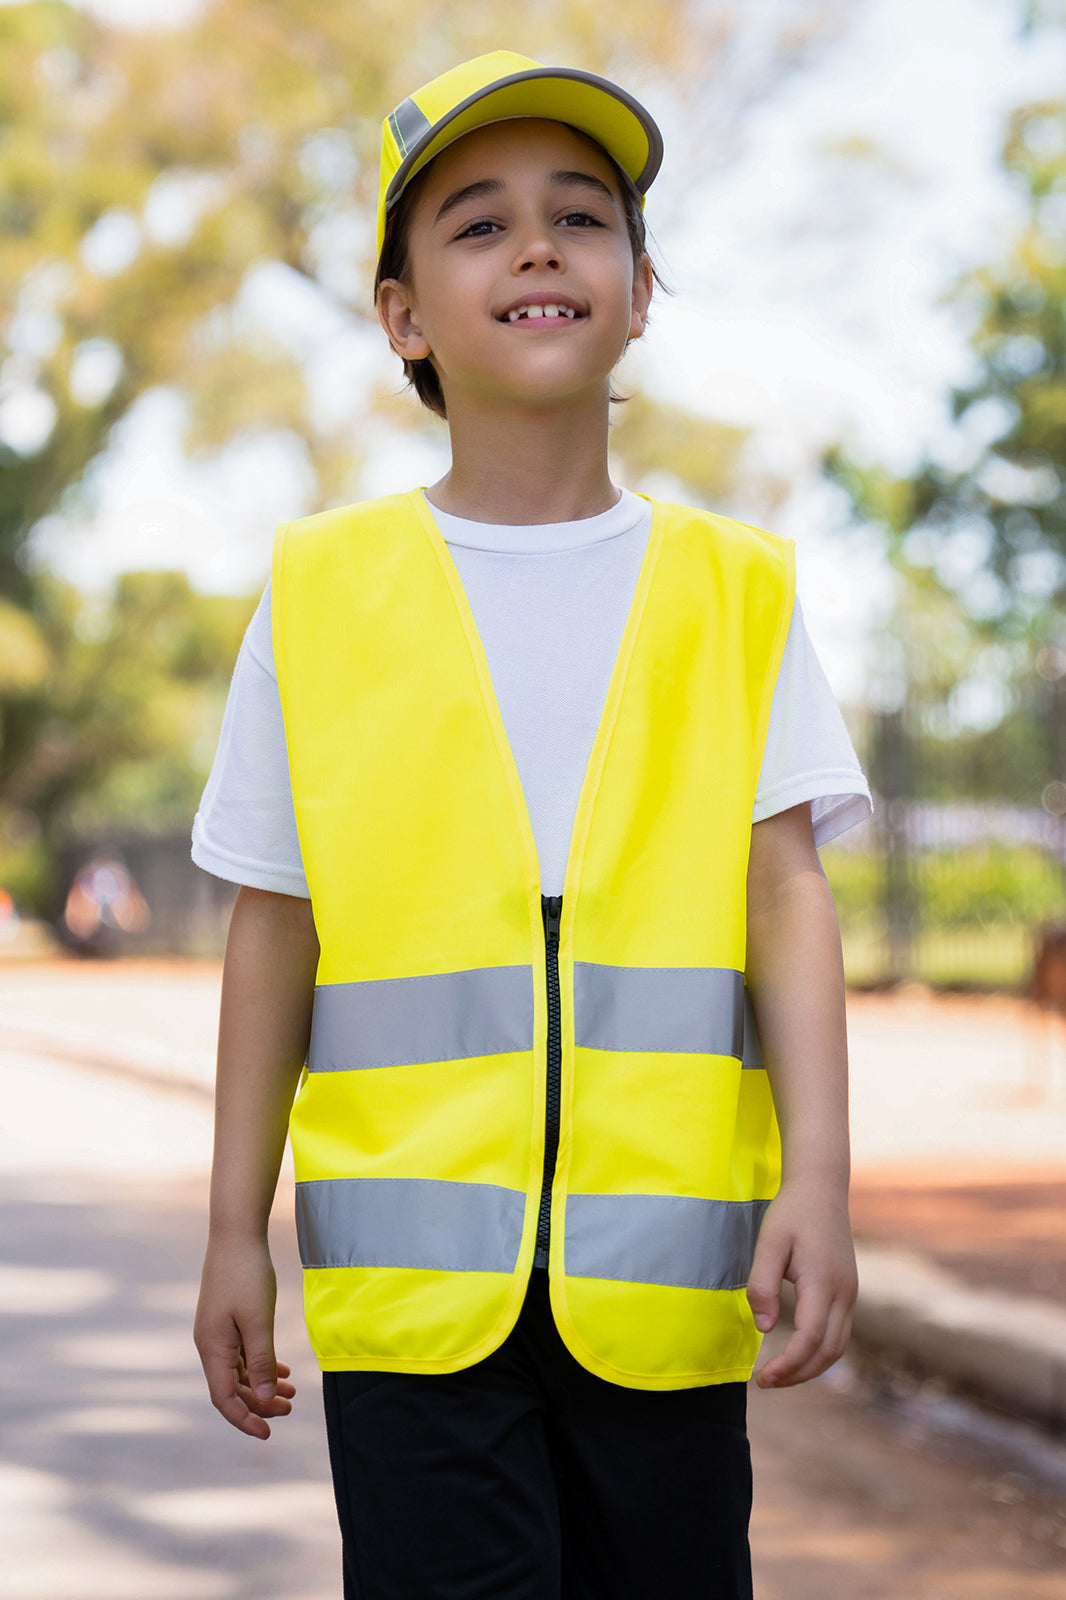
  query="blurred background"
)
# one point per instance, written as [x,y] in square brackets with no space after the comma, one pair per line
[862,215]
[862,218]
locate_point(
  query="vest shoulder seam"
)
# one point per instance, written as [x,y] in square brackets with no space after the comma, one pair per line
[335,519]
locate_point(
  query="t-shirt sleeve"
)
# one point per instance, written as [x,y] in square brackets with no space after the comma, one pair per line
[245,829]
[809,754]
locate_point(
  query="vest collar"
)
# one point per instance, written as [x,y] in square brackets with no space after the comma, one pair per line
[594,771]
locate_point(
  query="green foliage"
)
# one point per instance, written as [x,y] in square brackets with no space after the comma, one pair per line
[979,886]
[1011,492]
[996,957]
[122,726]
[979,549]
[262,123]
[991,884]
[854,877]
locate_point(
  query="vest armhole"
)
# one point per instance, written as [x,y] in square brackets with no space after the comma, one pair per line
[277,587]
[777,650]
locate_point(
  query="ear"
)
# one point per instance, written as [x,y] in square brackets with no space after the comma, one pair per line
[643,283]
[398,317]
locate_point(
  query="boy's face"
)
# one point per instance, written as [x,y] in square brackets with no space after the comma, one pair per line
[513,212]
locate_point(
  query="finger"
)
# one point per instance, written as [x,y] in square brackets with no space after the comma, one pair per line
[279,1406]
[228,1399]
[764,1281]
[260,1366]
[246,1421]
[283,1386]
[221,1360]
[806,1356]
[808,1335]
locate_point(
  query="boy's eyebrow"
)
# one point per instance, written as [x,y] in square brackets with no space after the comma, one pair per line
[488,186]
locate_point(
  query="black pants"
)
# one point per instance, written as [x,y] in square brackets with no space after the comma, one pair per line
[525,1477]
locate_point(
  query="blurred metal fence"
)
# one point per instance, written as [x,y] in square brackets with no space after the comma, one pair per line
[956,893]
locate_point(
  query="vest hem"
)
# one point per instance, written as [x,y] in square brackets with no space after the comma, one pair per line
[627,1379]
[600,1369]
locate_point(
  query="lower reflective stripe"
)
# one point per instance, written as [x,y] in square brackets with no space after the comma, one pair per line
[661,1238]
[409,1222]
[699,1009]
[445,1016]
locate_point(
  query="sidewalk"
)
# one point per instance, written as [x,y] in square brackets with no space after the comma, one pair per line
[958,1117]
[959,1218]
[964,1282]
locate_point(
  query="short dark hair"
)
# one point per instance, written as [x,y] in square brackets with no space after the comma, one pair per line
[393,263]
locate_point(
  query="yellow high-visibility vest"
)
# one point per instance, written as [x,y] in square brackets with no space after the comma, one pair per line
[474,1052]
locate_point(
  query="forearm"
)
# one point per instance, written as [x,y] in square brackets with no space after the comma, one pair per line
[795,974]
[267,991]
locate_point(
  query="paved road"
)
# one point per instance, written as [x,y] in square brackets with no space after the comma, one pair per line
[117,1479]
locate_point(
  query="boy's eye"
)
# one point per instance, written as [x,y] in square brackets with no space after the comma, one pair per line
[477,229]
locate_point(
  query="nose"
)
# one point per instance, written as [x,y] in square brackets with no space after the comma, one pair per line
[538,249]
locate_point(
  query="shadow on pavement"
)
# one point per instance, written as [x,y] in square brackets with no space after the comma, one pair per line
[118,1476]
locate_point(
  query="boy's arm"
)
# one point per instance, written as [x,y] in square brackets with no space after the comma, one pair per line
[268,984]
[795,975]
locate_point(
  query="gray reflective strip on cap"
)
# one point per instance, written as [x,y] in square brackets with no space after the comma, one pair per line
[409,1222]
[699,1009]
[667,1239]
[445,1016]
[408,125]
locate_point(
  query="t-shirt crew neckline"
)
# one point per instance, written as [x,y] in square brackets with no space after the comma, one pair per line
[541,538]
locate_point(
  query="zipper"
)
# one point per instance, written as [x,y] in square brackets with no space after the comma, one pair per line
[551,907]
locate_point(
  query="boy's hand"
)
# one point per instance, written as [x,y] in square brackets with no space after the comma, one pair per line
[234,1334]
[805,1237]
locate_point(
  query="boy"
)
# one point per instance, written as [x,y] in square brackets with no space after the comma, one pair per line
[518,870]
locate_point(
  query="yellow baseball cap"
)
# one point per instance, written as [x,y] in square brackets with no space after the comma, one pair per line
[495,87]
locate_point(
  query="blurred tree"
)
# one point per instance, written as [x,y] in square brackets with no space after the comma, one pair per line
[112,714]
[147,179]
[978,536]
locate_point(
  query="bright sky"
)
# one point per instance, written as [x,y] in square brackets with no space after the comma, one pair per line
[806,283]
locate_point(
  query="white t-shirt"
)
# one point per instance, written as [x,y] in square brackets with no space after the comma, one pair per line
[550,602]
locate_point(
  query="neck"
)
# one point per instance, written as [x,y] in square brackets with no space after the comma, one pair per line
[536,465]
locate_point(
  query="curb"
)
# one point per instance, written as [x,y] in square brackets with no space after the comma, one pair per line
[1008,1350]
[143,1061]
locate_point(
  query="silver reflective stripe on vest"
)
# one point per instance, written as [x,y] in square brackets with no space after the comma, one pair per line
[447,1016]
[698,1009]
[662,1238]
[409,1222]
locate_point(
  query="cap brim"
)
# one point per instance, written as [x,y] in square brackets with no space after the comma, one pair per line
[595,106]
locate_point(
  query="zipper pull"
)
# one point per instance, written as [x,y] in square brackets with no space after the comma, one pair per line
[553,910]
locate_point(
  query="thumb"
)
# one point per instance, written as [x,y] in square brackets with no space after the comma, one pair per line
[261,1366]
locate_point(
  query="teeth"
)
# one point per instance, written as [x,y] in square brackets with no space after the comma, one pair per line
[542,311]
